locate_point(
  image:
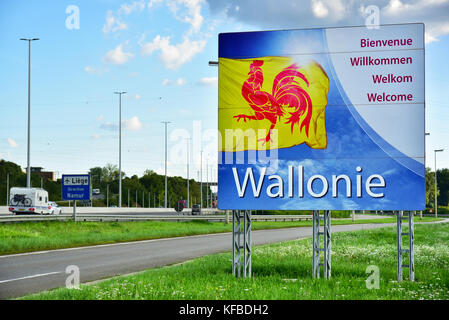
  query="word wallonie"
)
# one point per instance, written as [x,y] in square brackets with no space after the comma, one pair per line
[276,189]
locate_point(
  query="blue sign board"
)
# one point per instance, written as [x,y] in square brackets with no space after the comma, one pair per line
[322,119]
[75,187]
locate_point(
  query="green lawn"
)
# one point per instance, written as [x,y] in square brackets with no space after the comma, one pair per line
[35,236]
[283,271]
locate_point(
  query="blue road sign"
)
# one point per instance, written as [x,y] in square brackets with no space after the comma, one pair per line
[75,187]
[322,119]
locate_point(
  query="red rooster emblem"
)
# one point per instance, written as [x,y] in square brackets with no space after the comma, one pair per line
[287,93]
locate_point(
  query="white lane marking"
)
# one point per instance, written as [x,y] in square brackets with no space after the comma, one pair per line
[29,277]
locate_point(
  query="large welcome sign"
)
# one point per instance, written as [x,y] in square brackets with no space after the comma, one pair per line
[322,119]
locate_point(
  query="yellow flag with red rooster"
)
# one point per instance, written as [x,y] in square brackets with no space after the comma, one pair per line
[271,102]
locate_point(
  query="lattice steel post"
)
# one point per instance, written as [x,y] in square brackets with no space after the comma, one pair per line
[399,244]
[316,244]
[247,244]
[236,242]
[411,244]
[327,244]
[237,246]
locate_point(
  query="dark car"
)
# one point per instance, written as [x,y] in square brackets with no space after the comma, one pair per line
[196,209]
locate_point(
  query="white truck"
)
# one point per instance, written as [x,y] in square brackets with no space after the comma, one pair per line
[29,200]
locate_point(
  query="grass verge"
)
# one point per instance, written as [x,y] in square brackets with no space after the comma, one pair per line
[48,235]
[283,271]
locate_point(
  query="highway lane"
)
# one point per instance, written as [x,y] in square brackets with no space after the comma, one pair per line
[22,274]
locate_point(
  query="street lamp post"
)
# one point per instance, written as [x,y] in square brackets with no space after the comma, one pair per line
[201,178]
[29,110]
[188,159]
[165,194]
[120,149]
[436,196]
[7,189]
[207,183]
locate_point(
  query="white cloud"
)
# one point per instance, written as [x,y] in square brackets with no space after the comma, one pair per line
[319,9]
[134,6]
[95,71]
[188,11]
[117,55]
[280,14]
[113,24]
[96,136]
[109,126]
[89,69]
[137,96]
[208,81]
[322,8]
[12,143]
[153,2]
[174,56]
[179,82]
[132,124]
[433,12]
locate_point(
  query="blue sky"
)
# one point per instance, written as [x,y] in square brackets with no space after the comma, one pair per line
[158,51]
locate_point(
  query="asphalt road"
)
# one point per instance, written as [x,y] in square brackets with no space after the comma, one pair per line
[21,274]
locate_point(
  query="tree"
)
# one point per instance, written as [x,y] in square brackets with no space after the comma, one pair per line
[443,186]
[96,174]
[430,188]
[110,173]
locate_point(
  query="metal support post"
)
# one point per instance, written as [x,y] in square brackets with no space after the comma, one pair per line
[236,243]
[247,244]
[399,244]
[327,244]
[74,210]
[326,233]
[316,244]
[411,244]
[410,250]
[237,246]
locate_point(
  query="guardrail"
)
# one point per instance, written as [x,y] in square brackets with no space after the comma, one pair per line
[178,218]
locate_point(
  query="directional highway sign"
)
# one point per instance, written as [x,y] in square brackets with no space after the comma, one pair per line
[76,187]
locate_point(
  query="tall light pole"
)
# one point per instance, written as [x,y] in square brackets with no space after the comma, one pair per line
[425,135]
[201,178]
[7,189]
[436,196]
[120,149]
[165,194]
[29,110]
[188,159]
[207,183]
